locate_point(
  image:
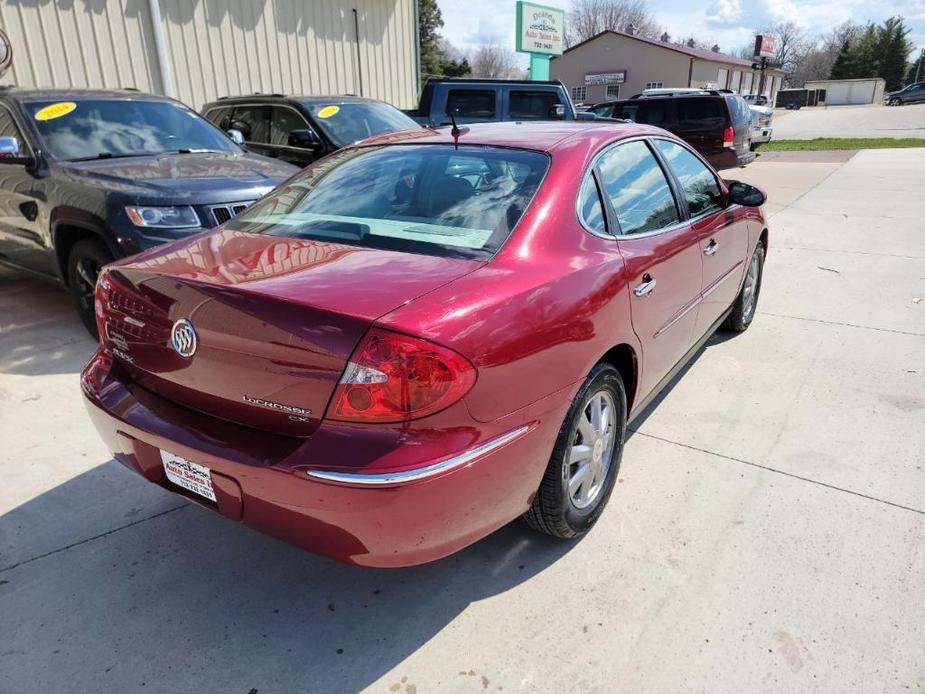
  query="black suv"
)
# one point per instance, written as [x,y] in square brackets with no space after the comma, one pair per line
[716,124]
[89,176]
[301,129]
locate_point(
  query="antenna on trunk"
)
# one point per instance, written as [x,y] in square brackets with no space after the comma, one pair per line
[455,131]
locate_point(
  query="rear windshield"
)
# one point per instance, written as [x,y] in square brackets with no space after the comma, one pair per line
[349,122]
[430,199]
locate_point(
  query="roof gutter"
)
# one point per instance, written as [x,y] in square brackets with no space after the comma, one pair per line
[160,45]
[690,73]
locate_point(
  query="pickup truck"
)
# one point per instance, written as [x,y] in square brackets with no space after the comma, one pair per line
[482,100]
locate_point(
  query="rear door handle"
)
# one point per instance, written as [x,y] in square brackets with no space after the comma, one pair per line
[711,247]
[648,284]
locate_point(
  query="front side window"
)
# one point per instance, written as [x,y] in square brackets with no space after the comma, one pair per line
[471,103]
[8,128]
[637,188]
[282,122]
[431,199]
[94,128]
[219,117]
[533,105]
[700,186]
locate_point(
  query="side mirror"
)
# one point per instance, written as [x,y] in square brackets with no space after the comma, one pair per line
[304,139]
[11,154]
[745,194]
[236,136]
[557,112]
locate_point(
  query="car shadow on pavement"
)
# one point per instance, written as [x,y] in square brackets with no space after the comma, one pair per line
[144,589]
[40,332]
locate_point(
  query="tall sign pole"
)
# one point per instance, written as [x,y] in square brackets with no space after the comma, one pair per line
[541,33]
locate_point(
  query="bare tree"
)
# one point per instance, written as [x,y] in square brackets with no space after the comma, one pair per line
[791,44]
[590,17]
[494,61]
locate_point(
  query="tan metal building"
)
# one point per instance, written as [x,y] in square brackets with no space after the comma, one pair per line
[198,50]
[841,92]
[617,65]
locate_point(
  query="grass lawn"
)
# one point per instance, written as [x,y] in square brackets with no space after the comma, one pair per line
[841,143]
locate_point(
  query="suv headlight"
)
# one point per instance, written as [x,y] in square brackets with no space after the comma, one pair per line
[174,217]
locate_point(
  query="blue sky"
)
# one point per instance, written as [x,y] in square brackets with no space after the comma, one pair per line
[730,23]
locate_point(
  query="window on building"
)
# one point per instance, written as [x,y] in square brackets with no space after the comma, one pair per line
[613,91]
[533,105]
[471,103]
[654,85]
[736,83]
[579,94]
[637,188]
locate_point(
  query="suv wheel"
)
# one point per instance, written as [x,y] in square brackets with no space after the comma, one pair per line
[585,460]
[84,263]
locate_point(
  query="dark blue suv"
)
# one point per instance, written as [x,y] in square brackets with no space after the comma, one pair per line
[90,176]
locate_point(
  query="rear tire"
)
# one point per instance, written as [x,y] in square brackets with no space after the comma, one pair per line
[746,303]
[585,460]
[896,102]
[84,263]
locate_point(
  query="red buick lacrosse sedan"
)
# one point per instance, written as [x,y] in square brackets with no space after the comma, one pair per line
[424,336]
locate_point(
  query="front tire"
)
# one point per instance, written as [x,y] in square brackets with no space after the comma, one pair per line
[746,303]
[585,461]
[896,102]
[84,263]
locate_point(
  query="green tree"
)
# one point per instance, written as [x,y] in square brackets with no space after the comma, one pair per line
[841,68]
[456,68]
[891,50]
[429,22]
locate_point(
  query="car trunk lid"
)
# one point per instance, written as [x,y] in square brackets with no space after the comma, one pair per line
[274,320]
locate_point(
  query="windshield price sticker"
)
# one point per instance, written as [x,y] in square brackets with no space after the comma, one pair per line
[62,108]
[328,111]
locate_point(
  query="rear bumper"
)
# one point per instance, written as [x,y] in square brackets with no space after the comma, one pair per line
[730,159]
[761,135]
[275,484]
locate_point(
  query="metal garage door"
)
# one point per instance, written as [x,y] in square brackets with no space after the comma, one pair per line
[849,93]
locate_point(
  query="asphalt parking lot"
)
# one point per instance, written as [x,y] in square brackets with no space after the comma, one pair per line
[767,532]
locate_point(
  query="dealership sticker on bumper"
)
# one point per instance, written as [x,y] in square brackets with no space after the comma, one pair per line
[189,475]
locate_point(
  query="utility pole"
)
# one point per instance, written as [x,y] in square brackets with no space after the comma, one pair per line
[918,68]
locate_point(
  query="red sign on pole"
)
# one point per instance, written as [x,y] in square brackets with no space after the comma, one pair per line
[764,46]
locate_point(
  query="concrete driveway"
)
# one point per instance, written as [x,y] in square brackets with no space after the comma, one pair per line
[766,533]
[850,121]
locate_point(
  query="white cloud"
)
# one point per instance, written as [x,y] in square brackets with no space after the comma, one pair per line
[724,12]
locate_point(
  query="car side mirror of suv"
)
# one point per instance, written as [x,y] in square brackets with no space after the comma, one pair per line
[236,136]
[304,139]
[745,194]
[10,153]
[557,112]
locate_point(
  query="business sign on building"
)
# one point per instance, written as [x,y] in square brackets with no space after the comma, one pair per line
[605,77]
[540,29]
[764,46]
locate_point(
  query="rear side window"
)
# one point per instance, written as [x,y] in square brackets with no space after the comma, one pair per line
[590,208]
[738,109]
[647,112]
[220,117]
[637,188]
[700,186]
[431,199]
[471,103]
[701,113]
[533,105]
[253,122]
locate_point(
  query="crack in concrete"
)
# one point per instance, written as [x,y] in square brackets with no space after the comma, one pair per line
[783,472]
[90,539]
[846,325]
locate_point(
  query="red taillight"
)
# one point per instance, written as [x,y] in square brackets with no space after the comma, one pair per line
[729,136]
[101,302]
[394,378]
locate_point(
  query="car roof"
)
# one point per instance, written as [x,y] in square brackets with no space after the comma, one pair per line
[543,136]
[22,94]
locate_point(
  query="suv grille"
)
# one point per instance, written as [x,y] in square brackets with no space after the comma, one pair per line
[223,213]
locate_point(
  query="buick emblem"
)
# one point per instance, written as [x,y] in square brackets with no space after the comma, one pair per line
[183,338]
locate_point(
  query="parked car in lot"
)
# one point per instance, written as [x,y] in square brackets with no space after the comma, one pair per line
[756,99]
[717,124]
[418,340]
[301,129]
[910,94]
[484,100]
[762,127]
[89,176]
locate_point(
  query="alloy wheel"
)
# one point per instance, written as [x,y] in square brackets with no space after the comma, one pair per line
[87,272]
[750,291]
[591,452]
